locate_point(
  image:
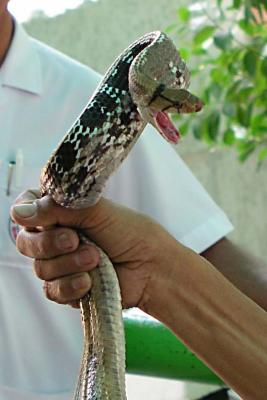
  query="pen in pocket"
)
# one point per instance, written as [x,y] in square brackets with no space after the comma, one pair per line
[10,174]
[14,172]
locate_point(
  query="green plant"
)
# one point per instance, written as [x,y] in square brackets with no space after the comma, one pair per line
[226,42]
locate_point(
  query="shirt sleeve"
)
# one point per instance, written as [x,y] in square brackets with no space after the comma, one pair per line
[155,180]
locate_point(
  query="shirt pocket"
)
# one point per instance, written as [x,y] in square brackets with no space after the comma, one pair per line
[13,181]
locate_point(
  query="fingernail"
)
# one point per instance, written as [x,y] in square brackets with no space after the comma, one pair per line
[64,242]
[25,210]
[82,282]
[83,258]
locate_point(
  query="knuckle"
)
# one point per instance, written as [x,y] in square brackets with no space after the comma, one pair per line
[24,244]
[86,258]
[63,290]
[42,247]
[38,266]
[66,240]
[45,244]
[47,290]
[20,242]
[53,291]
[32,244]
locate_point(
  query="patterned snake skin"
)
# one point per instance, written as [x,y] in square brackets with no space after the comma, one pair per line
[147,80]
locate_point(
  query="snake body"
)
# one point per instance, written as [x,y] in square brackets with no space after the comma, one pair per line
[146,81]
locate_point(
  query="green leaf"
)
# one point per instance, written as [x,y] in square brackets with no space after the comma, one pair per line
[206,95]
[245,149]
[248,8]
[222,40]
[257,120]
[232,74]
[184,14]
[198,129]
[232,90]
[198,51]
[262,98]
[183,128]
[260,131]
[244,114]
[204,34]
[236,3]
[184,53]
[233,69]
[229,137]
[262,154]
[216,74]
[213,125]
[264,67]
[244,93]
[246,27]
[229,109]
[215,90]
[250,62]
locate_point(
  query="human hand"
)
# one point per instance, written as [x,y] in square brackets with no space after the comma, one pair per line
[139,248]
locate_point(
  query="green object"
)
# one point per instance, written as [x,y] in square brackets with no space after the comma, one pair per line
[225,43]
[152,349]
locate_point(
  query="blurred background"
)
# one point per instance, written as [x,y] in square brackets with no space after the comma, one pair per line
[225,147]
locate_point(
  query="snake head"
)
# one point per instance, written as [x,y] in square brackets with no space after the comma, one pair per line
[169,101]
[158,82]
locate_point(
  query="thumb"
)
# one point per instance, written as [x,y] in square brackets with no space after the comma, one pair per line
[31,211]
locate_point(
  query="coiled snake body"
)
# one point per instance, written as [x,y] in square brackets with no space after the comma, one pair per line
[147,80]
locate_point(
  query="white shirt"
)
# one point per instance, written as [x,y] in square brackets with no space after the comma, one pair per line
[41,94]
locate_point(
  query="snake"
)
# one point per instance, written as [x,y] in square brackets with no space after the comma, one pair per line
[147,82]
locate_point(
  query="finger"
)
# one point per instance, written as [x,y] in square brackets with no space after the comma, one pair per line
[68,289]
[28,196]
[45,212]
[47,244]
[84,259]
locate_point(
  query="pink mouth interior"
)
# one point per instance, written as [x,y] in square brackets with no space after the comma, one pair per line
[166,127]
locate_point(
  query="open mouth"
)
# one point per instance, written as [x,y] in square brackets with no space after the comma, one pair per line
[166,126]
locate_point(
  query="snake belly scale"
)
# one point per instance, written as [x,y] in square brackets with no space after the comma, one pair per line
[148,80]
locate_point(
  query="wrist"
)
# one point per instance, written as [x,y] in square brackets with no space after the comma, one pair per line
[213,318]
[164,280]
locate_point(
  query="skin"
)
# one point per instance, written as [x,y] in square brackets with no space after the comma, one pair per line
[6,30]
[222,325]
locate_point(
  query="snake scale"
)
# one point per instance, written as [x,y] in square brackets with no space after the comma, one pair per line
[147,81]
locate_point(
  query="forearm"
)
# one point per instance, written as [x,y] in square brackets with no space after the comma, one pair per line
[220,324]
[248,273]
[172,283]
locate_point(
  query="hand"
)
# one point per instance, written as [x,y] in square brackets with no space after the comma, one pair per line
[167,280]
[138,247]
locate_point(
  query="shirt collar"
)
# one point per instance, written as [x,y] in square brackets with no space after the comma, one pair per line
[21,68]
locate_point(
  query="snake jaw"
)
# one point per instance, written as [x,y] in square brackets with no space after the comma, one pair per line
[171,100]
[165,126]
[161,122]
